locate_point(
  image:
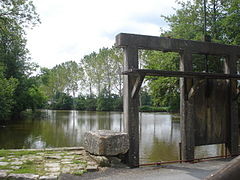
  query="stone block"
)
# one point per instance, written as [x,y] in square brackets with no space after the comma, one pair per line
[92,168]
[4,163]
[23,176]
[48,178]
[3,175]
[106,142]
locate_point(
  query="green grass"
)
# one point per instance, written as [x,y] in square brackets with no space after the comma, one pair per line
[6,167]
[79,173]
[153,109]
[79,162]
[4,153]
[32,167]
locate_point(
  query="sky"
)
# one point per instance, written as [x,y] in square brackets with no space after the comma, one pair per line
[70,29]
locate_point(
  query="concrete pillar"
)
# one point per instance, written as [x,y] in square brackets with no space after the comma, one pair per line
[186,108]
[131,106]
[230,67]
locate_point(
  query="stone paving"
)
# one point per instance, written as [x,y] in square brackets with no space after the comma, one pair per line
[47,164]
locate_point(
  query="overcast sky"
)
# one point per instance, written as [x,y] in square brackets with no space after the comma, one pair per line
[71,29]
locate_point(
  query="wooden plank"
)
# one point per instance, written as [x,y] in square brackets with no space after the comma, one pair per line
[175,45]
[131,107]
[186,109]
[210,111]
[137,85]
[186,74]
[232,123]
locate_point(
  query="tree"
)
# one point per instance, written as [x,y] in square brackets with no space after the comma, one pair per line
[87,64]
[164,90]
[15,16]
[62,101]
[74,74]
[7,88]
[188,23]
[37,98]
[104,101]
[230,32]
[63,78]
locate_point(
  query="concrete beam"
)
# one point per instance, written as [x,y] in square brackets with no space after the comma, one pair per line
[131,106]
[186,109]
[175,45]
[232,122]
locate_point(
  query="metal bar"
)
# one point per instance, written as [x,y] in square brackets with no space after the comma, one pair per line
[205,19]
[190,161]
[180,152]
[150,72]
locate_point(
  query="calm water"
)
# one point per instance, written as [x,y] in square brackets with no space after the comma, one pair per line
[159,132]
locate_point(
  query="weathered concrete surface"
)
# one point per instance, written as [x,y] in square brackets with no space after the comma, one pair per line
[106,142]
[184,171]
[230,171]
[23,176]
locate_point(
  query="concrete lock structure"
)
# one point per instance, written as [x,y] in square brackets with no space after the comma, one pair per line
[205,118]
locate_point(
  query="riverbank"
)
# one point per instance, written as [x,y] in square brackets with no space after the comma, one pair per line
[48,163]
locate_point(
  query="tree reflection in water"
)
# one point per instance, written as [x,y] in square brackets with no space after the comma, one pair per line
[159,132]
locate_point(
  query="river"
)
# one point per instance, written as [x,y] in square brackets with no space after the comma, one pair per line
[159,132]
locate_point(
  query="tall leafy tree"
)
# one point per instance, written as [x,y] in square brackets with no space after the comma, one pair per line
[188,23]
[7,89]
[15,17]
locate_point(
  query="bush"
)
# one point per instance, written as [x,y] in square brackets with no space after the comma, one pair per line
[153,109]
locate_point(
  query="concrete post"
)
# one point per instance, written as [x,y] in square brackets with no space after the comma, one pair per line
[232,122]
[186,108]
[131,106]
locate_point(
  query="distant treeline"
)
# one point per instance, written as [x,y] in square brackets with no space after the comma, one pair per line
[104,102]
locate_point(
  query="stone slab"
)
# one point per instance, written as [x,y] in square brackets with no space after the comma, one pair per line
[3,175]
[3,163]
[92,168]
[23,176]
[106,142]
[48,178]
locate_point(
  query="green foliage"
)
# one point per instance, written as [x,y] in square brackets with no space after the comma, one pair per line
[62,101]
[5,153]
[91,103]
[103,70]
[187,22]
[15,16]
[163,90]
[147,108]
[7,89]
[80,103]
[28,167]
[109,102]
[37,98]
[222,21]
[230,22]
[63,78]
[79,173]
[97,72]
[146,99]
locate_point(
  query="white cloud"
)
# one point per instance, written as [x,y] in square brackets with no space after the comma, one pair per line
[71,29]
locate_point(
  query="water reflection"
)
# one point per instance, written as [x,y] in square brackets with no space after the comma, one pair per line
[159,132]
